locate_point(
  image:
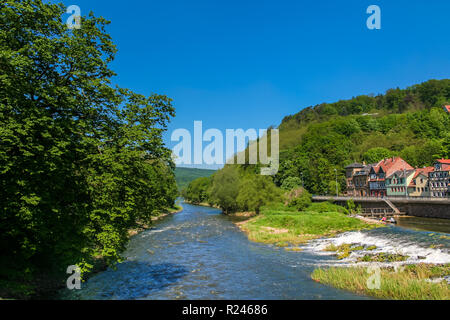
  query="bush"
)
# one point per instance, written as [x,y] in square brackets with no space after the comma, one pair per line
[299,198]
[291,183]
[256,191]
[197,190]
[327,207]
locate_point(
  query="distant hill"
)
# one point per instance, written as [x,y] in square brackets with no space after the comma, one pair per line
[185,175]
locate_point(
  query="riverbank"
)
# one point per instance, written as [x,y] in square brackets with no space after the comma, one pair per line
[407,264]
[201,204]
[410,282]
[144,226]
[100,264]
[201,255]
[48,285]
[283,226]
[369,220]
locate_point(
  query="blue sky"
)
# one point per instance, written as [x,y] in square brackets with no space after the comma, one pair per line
[247,64]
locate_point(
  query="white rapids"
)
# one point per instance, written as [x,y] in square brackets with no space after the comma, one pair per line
[416,253]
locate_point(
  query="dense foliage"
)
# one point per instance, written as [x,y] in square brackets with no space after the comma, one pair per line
[233,189]
[427,95]
[299,198]
[81,161]
[197,191]
[419,137]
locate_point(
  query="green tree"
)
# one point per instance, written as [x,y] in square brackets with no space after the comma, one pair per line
[411,155]
[300,199]
[446,145]
[256,191]
[81,160]
[351,206]
[197,190]
[291,182]
[375,155]
[225,188]
[395,100]
[332,187]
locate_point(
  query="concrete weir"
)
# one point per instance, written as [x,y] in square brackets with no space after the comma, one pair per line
[418,207]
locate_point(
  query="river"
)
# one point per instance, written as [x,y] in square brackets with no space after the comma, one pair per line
[200,254]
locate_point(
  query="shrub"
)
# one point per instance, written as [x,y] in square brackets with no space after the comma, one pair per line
[327,207]
[299,199]
[291,183]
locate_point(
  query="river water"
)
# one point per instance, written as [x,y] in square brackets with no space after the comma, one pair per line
[200,254]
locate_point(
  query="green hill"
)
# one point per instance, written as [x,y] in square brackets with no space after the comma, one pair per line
[424,96]
[409,123]
[318,142]
[184,176]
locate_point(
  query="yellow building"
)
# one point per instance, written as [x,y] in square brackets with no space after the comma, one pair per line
[419,185]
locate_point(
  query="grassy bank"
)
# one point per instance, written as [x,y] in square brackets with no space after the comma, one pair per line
[283,225]
[408,283]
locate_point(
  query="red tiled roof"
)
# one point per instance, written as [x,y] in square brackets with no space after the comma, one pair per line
[419,171]
[444,161]
[394,164]
[425,171]
[390,166]
[447,108]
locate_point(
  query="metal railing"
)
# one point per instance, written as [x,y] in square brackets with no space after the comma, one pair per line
[379,212]
[433,199]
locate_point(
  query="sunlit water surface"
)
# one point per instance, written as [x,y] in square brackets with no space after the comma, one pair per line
[201,254]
